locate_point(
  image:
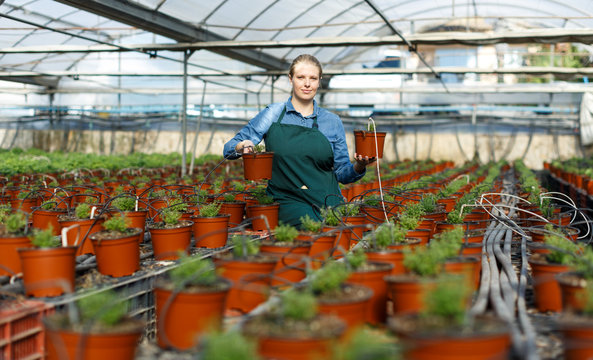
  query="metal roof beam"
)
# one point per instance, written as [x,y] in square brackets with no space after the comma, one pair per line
[526,70]
[36,79]
[144,18]
[584,36]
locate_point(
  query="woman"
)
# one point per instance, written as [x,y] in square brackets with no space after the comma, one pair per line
[309,145]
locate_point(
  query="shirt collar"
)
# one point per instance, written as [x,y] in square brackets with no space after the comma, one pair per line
[290,107]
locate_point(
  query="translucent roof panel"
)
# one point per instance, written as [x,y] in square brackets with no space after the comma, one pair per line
[54,45]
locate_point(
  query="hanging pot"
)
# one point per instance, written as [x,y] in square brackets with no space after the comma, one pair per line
[365,143]
[257,166]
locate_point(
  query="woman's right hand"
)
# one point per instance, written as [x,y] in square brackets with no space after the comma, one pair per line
[244,147]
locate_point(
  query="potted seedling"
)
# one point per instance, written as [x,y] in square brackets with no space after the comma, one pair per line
[210,227]
[117,247]
[322,244]
[293,328]
[248,270]
[336,297]
[190,300]
[352,217]
[48,267]
[366,344]
[445,327]
[86,225]
[576,324]
[561,258]
[370,274]
[332,223]
[370,142]
[46,215]
[134,213]
[291,254]
[100,331]
[257,165]
[170,235]
[386,244]
[13,235]
[233,207]
[265,207]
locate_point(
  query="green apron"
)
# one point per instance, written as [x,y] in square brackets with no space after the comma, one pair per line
[303,178]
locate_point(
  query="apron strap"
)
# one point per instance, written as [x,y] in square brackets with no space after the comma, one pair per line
[279,120]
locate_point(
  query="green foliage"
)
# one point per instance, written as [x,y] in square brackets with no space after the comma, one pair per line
[285,233]
[238,186]
[422,261]
[192,271]
[329,278]
[356,258]
[447,301]
[350,209]
[104,307]
[584,263]
[170,216]
[310,225]
[388,234]
[264,200]
[177,204]
[228,198]
[24,194]
[407,221]
[45,238]
[217,185]
[229,345]
[428,203]
[5,211]
[259,148]
[48,205]
[366,344]
[210,210]
[447,244]
[454,217]
[116,223]
[83,211]
[588,298]
[562,250]
[298,305]
[124,203]
[331,216]
[453,187]
[15,223]
[243,246]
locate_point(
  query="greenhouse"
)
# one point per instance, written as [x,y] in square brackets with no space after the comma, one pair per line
[296,179]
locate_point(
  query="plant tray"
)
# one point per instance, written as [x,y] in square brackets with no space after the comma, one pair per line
[21,330]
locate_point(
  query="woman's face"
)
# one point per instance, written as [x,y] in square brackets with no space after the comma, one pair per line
[305,81]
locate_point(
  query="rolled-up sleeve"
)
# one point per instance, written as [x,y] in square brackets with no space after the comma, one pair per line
[255,129]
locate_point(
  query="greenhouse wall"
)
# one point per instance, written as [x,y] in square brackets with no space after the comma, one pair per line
[458,147]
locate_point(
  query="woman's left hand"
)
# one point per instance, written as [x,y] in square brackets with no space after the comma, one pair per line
[362,162]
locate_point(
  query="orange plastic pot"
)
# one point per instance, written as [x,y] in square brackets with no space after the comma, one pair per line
[468,267]
[493,343]
[367,144]
[393,257]
[407,292]
[357,223]
[577,339]
[322,247]
[573,291]
[137,219]
[270,212]
[210,232]
[10,264]
[236,210]
[166,243]
[118,257]
[257,166]
[81,233]
[250,281]
[65,344]
[290,267]
[351,311]
[48,271]
[44,219]
[342,240]
[182,317]
[373,279]
[548,296]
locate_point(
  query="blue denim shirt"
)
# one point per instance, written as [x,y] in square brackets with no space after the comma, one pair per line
[329,124]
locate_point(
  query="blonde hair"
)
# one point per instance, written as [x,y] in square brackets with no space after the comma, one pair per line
[304,58]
